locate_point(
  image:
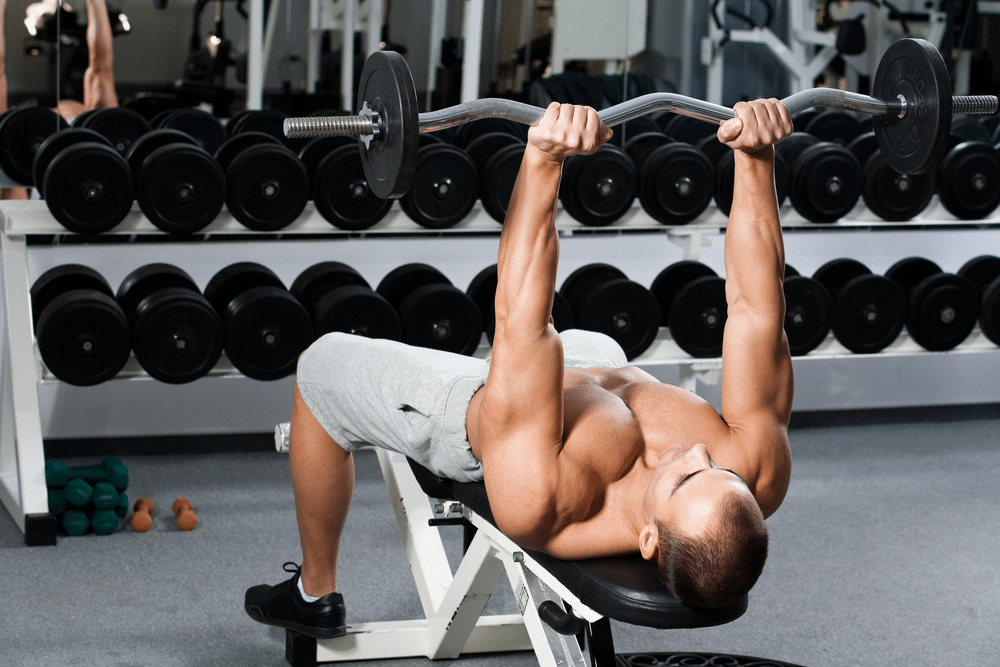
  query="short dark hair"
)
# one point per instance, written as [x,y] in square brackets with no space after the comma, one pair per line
[723,563]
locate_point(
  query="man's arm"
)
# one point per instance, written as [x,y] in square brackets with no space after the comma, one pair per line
[99,78]
[521,417]
[756,364]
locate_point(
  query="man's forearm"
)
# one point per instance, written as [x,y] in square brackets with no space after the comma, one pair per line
[529,247]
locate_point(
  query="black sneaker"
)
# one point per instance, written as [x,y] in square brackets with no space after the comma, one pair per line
[282,605]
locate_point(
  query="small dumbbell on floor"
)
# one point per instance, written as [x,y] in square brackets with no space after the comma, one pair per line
[186,519]
[142,520]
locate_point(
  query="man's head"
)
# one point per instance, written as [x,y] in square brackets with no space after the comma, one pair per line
[703,528]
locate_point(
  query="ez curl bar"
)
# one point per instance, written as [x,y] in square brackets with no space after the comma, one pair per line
[912,110]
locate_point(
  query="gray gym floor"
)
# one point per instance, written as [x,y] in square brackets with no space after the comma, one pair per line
[884,553]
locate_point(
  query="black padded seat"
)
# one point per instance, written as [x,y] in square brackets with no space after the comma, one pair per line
[625,588]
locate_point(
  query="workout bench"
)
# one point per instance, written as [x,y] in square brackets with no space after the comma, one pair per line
[557,599]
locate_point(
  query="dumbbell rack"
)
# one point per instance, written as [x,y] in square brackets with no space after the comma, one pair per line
[22,477]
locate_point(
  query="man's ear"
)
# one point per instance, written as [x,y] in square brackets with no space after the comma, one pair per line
[649,541]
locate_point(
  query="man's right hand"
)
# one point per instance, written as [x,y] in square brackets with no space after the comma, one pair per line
[567,129]
[757,125]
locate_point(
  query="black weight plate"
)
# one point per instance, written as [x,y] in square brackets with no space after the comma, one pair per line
[600,187]
[677,184]
[991,123]
[688,129]
[233,280]
[562,314]
[177,335]
[238,143]
[233,124]
[83,337]
[800,121]
[640,146]
[911,271]
[268,187]
[869,313]
[825,182]
[970,129]
[358,310]
[790,271]
[148,279]
[82,117]
[989,315]
[317,149]
[698,317]
[54,145]
[119,125]
[626,131]
[266,329]
[426,139]
[88,188]
[496,183]
[441,317]
[808,314]
[914,69]
[310,285]
[403,280]
[943,309]
[981,270]
[201,125]
[180,188]
[444,188]
[484,146]
[792,146]
[151,141]
[713,148]
[725,176]
[22,132]
[672,279]
[160,116]
[584,281]
[62,279]
[969,181]
[893,196]
[838,127]
[469,132]
[483,291]
[390,160]
[270,122]
[342,194]
[864,146]
[624,310]
[838,272]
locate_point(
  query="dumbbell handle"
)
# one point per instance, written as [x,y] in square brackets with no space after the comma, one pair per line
[432,121]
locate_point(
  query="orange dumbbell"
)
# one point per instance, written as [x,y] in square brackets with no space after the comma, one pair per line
[186,520]
[143,517]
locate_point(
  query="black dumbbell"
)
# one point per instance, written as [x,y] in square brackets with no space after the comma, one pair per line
[178,184]
[267,184]
[942,307]
[265,327]
[465,133]
[724,160]
[339,186]
[824,178]
[268,121]
[676,180]
[808,312]
[692,300]
[598,189]
[119,125]
[483,291]
[839,127]
[887,193]
[338,298]
[87,184]
[869,310]
[83,336]
[603,299]
[685,129]
[968,128]
[445,187]
[203,126]
[176,333]
[434,313]
[22,132]
[984,273]
[498,159]
[969,180]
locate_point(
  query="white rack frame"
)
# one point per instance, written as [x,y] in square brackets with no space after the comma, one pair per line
[22,460]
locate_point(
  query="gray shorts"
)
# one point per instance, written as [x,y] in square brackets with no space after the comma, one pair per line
[413,400]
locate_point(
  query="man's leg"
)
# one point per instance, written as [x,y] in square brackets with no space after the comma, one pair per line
[99,79]
[323,481]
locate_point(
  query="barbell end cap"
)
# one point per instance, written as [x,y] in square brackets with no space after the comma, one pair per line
[285,127]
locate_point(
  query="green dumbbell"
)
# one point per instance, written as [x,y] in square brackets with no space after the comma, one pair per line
[78,492]
[75,523]
[104,522]
[111,470]
[57,501]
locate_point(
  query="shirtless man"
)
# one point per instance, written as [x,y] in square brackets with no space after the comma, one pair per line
[98,79]
[582,455]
